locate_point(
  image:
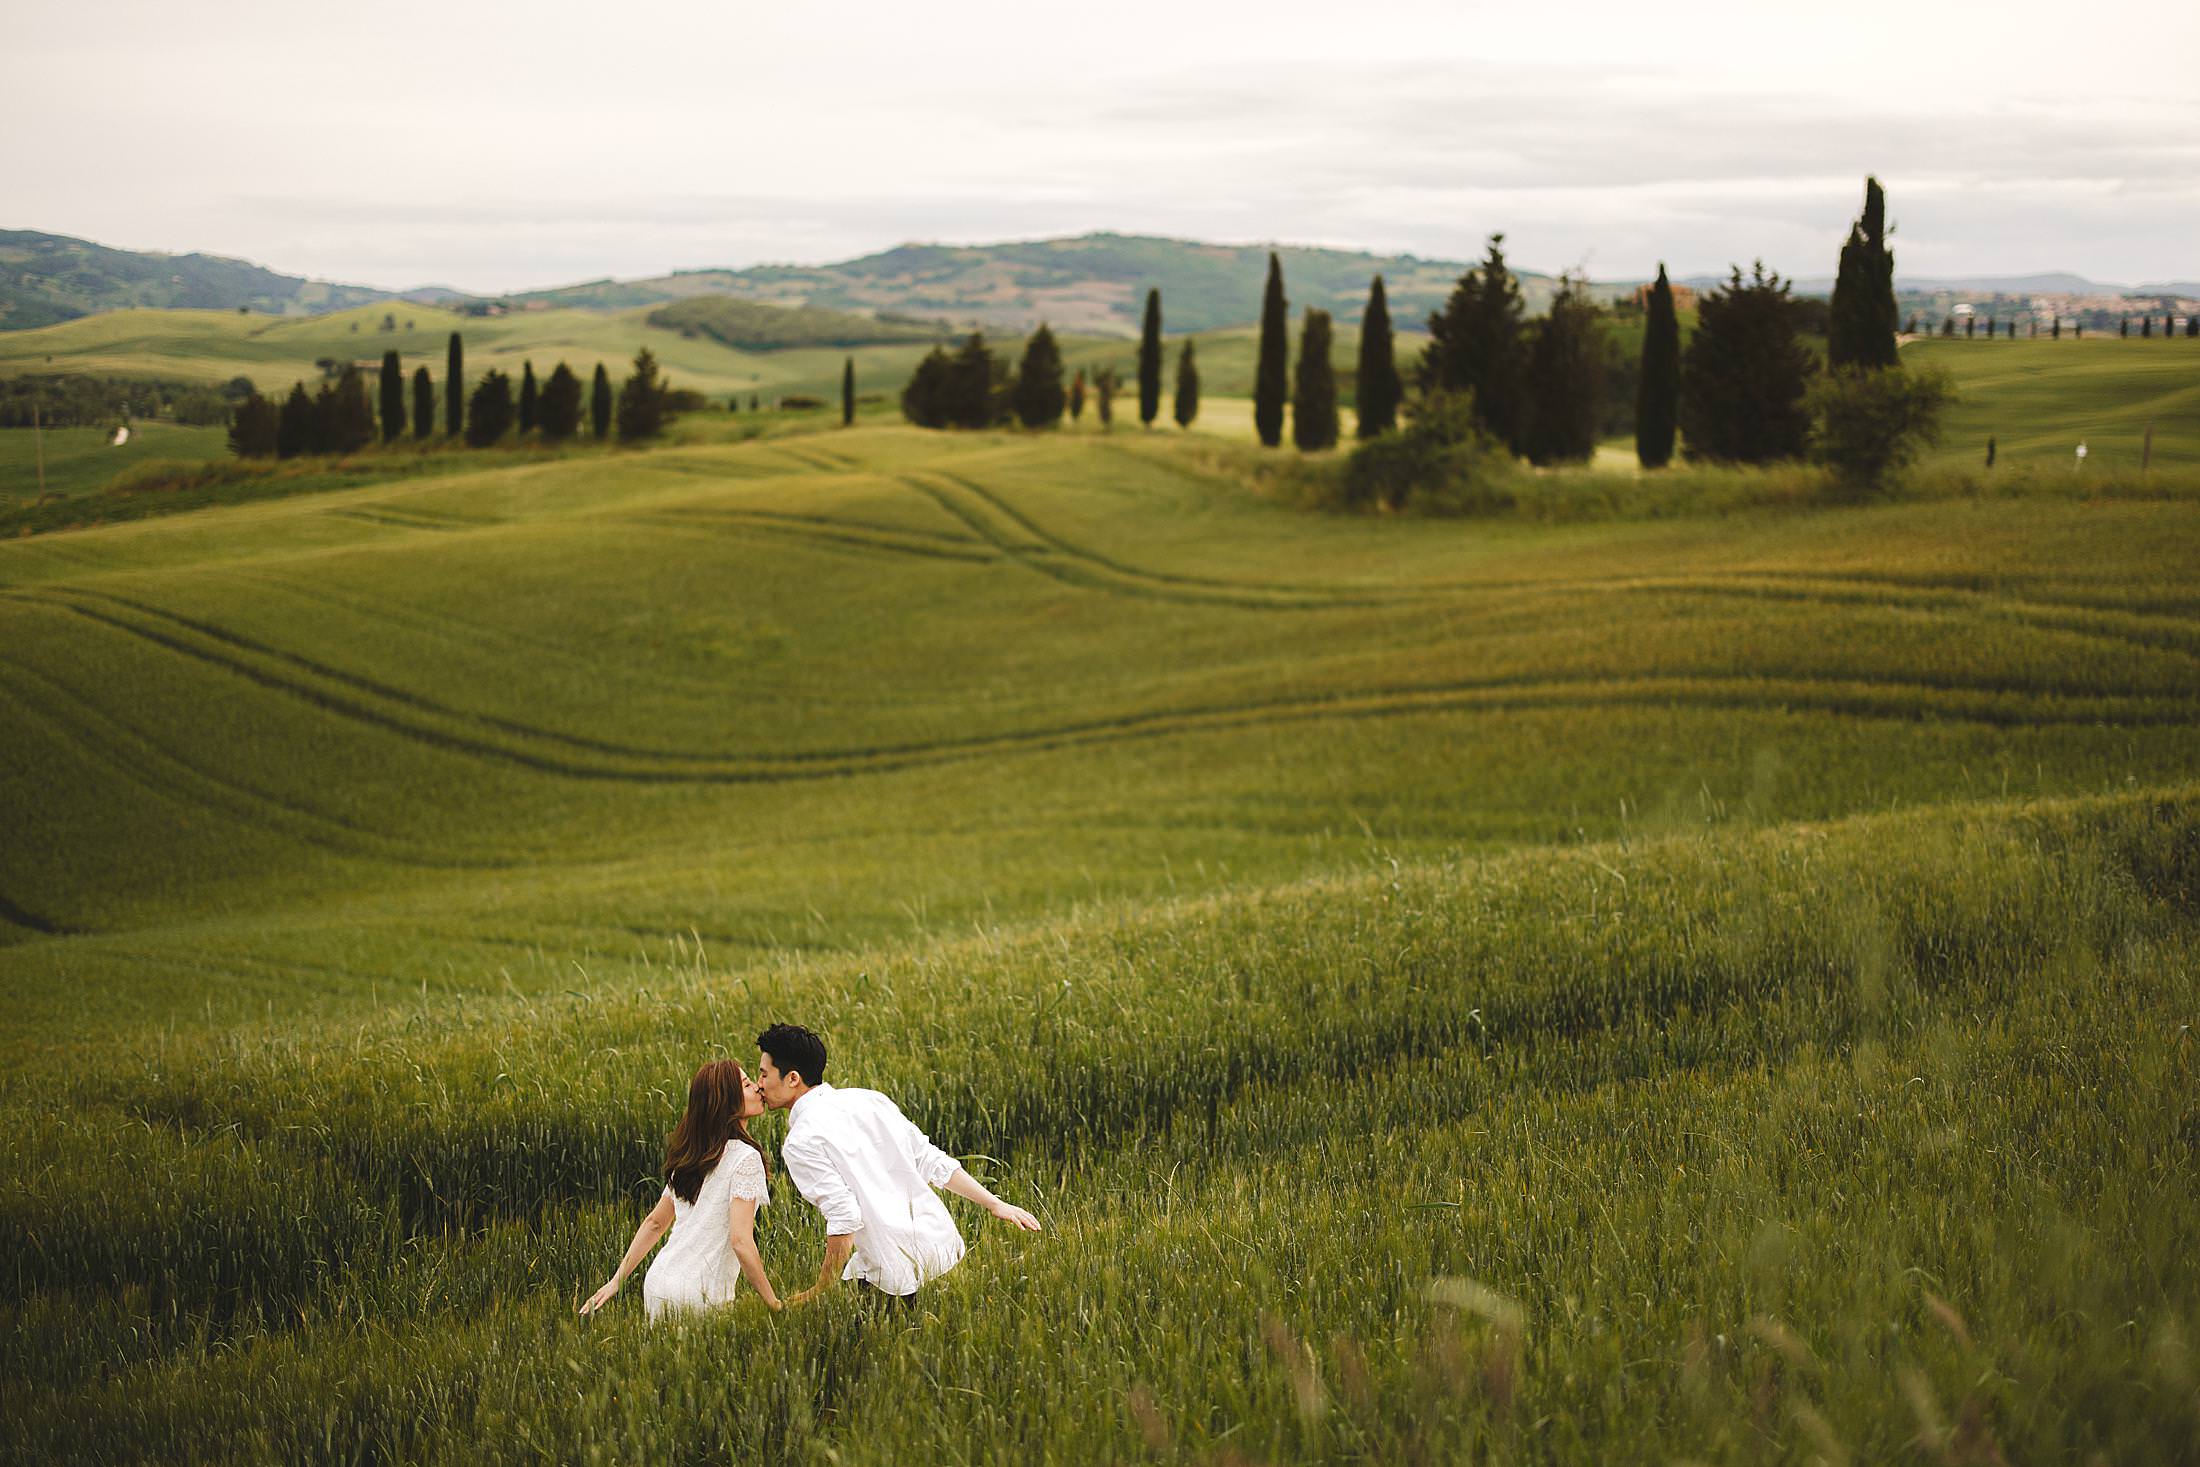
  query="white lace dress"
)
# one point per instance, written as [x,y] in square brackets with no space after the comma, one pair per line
[696,1268]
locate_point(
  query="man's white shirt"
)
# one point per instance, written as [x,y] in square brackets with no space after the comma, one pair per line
[858,1160]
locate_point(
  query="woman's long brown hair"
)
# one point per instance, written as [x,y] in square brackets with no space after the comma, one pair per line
[713,1118]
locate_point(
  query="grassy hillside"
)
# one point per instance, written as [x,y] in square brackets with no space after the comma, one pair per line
[79,460]
[2040,399]
[46,278]
[1708,987]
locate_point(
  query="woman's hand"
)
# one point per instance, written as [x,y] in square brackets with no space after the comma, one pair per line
[600,1298]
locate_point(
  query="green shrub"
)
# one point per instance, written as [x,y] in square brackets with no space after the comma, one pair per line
[1871,423]
[1443,463]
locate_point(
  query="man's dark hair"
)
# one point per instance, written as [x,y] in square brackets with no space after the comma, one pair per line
[795,1050]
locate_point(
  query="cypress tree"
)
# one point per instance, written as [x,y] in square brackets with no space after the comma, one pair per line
[558,411]
[1149,361]
[1475,345]
[2192,325]
[1861,319]
[295,429]
[2123,326]
[1565,380]
[1187,387]
[1314,402]
[847,392]
[348,420]
[1970,326]
[1038,394]
[1947,326]
[924,400]
[1271,378]
[1376,388]
[1658,389]
[529,395]
[423,403]
[1077,396]
[642,400]
[599,403]
[256,430]
[1744,374]
[454,387]
[2054,330]
[1104,384]
[489,410]
[393,398]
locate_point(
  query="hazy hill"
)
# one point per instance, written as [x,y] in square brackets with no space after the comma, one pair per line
[46,278]
[1094,283]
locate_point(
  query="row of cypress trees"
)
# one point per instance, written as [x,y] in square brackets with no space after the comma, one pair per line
[340,419]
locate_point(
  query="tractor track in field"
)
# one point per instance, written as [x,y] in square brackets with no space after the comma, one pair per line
[1855,697]
[100,736]
[810,530]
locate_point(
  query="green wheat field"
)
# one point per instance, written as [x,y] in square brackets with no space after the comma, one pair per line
[1712,981]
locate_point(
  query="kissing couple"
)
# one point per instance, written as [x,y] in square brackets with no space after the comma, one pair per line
[853,1156]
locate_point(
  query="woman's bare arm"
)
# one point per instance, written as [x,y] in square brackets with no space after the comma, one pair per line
[645,1238]
[741,1233]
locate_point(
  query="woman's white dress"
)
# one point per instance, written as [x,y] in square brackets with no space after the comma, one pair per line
[696,1268]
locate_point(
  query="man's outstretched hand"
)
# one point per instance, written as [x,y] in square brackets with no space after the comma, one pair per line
[1010,1213]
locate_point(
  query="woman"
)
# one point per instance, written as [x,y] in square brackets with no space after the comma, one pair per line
[716,1183]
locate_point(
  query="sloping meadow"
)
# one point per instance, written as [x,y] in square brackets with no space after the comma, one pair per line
[1818,1141]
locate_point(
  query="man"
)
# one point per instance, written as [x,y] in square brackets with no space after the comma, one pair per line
[857,1159]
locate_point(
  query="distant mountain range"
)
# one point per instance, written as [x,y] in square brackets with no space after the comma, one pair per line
[46,278]
[1094,283]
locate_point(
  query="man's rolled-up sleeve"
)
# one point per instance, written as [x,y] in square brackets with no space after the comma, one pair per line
[934,1165]
[822,1186]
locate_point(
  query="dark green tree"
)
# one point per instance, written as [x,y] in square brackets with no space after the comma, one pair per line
[1149,361]
[558,412]
[1565,377]
[1314,395]
[2146,326]
[1376,388]
[847,392]
[1187,387]
[2054,329]
[1272,377]
[256,430]
[393,398]
[1744,374]
[1948,326]
[2123,326]
[1077,396]
[1658,389]
[347,422]
[454,387]
[529,394]
[599,404]
[1104,383]
[1039,395]
[423,403]
[1475,346]
[297,427]
[642,400]
[1860,323]
[489,410]
[924,401]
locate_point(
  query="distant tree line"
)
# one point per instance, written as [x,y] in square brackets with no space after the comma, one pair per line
[339,417]
[74,401]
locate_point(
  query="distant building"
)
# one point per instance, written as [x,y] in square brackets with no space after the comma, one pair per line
[1684,298]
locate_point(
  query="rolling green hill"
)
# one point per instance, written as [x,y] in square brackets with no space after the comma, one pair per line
[1622,990]
[45,278]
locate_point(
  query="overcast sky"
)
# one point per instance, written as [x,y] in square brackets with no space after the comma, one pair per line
[503,147]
